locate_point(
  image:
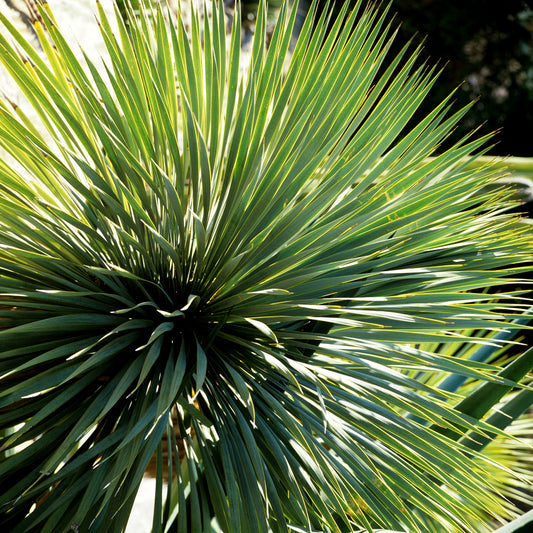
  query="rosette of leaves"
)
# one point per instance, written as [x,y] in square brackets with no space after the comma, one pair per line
[250,270]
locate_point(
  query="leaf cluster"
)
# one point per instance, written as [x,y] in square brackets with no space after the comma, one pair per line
[251,267]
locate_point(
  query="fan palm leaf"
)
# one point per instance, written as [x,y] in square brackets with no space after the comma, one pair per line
[250,266]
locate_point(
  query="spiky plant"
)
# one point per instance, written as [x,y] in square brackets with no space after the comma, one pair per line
[251,268]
